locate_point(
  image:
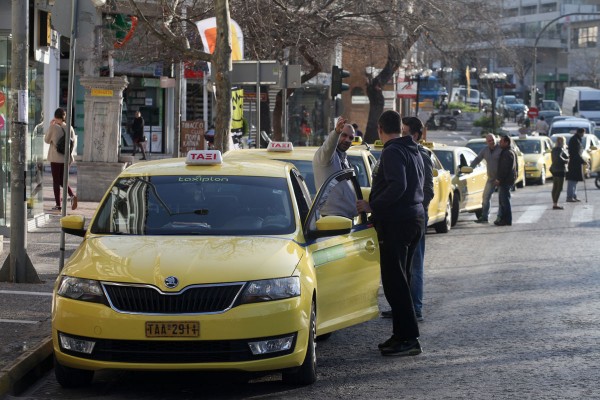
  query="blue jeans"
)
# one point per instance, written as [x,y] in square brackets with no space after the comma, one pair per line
[505,211]
[571,190]
[488,191]
[417,272]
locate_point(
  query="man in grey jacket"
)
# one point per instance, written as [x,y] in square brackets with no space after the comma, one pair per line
[331,158]
[491,155]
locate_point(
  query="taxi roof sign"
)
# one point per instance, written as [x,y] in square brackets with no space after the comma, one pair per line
[203,157]
[357,140]
[280,146]
[378,143]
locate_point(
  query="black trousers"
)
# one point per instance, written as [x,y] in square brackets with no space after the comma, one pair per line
[397,242]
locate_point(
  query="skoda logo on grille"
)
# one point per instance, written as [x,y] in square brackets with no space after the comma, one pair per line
[171,282]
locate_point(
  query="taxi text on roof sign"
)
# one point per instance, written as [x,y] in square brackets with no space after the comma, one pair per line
[280,146]
[203,157]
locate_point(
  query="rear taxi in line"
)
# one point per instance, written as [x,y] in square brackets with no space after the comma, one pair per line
[205,264]
[360,159]
[467,182]
[537,151]
[440,207]
[591,150]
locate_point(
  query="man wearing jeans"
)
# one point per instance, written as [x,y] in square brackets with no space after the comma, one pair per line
[505,179]
[490,154]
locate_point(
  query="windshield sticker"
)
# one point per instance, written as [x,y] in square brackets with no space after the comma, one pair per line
[202,179]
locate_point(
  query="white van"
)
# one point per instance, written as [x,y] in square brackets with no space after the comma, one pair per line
[459,95]
[582,101]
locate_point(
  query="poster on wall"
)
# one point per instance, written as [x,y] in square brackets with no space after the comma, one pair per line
[192,136]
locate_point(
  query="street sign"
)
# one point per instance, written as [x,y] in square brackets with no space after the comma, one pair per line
[533,112]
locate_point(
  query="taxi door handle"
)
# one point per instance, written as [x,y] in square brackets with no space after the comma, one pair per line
[370,246]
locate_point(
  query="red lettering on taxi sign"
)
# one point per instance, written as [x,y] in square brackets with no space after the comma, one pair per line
[203,157]
[280,146]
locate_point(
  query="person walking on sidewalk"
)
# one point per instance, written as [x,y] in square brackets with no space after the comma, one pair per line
[137,128]
[491,155]
[505,179]
[560,158]
[58,129]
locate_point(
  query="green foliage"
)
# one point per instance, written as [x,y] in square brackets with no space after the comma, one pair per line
[485,122]
[464,107]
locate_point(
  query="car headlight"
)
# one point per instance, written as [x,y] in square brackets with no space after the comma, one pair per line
[271,289]
[81,289]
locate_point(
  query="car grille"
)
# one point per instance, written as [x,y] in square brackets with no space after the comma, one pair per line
[192,300]
[174,351]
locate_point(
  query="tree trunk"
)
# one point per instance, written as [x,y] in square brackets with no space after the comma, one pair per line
[221,71]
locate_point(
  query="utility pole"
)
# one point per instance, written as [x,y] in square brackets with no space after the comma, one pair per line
[18,267]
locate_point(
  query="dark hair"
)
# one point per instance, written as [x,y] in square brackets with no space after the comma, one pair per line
[354,125]
[580,130]
[506,138]
[59,113]
[389,122]
[414,125]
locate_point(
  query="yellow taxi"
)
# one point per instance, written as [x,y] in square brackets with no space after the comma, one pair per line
[201,263]
[440,207]
[537,151]
[591,150]
[477,144]
[301,156]
[467,182]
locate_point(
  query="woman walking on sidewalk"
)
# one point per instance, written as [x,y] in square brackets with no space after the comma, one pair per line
[58,129]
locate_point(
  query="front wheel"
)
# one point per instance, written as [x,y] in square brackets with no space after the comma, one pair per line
[455,209]
[597,180]
[445,225]
[69,377]
[543,176]
[307,372]
[451,125]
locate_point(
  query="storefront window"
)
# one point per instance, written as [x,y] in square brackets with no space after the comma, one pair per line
[5,54]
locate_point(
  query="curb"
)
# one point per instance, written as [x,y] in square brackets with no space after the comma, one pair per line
[27,367]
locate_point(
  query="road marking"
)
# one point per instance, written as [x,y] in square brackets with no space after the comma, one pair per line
[532,214]
[582,213]
[18,321]
[25,293]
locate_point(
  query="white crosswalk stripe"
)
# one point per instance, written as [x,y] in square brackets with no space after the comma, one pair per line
[582,213]
[532,214]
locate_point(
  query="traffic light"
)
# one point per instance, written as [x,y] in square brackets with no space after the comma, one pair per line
[337,86]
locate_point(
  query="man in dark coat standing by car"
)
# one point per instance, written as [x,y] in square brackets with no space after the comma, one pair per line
[397,212]
[505,179]
[576,163]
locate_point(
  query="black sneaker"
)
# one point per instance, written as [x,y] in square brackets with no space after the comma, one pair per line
[386,314]
[419,317]
[402,348]
[481,221]
[387,343]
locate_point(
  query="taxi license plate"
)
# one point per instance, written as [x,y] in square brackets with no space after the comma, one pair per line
[173,329]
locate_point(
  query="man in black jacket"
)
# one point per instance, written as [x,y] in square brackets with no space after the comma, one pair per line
[397,212]
[505,179]
[576,162]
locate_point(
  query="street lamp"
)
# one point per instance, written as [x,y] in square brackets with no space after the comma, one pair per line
[493,78]
[419,75]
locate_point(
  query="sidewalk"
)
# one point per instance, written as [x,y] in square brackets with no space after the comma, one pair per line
[25,325]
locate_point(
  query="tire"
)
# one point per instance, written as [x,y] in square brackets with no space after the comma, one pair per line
[597,180]
[69,377]
[543,176]
[307,372]
[324,337]
[451,126]
[521,184]
[455,209]
[445,225]
[588,170]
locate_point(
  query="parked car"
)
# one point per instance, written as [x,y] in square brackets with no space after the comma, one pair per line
[467,182]
[549,109]
[509,106]
[538,158]
[214,265]
[477,144]
[591,151]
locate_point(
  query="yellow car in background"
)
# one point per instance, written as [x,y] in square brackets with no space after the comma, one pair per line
[440,207]
[477,144]
[537,151]
[214,265]
[467,182]
[360,159]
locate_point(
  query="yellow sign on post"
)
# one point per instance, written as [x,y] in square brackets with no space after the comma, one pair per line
[102,92]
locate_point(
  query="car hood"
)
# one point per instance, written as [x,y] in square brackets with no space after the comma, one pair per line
[193,260]
[532,157]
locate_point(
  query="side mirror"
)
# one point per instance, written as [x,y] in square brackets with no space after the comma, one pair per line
[332,225]
[466,170]
[73,225]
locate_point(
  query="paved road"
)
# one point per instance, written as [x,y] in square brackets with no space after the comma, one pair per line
[510,313]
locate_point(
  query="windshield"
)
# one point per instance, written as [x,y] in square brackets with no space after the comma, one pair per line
[476,146]
[510,100]
[360,168]
[564,129]
[306,169]
[446,158]
[529,146]
[550,106]
[196,205]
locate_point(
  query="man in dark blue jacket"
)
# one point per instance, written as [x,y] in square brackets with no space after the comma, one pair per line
[397,213]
